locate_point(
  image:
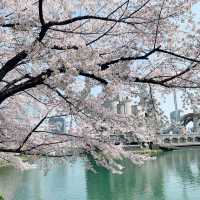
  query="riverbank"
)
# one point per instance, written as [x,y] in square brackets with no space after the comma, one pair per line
[149,152]
[4,164]
[31,159]
[24,158]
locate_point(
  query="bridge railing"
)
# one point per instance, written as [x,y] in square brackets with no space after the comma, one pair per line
[179,138]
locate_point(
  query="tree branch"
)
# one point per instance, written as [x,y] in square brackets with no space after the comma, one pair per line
[106,65]
[177,55]
[41,17]
[85,17]
[11,64]
[31,132]
[32,82]
[92,76]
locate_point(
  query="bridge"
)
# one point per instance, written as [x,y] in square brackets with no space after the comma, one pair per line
[178,141]
[179,138]
[177,135]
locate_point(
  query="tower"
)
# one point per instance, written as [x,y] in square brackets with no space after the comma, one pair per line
[175,115]
[128,104]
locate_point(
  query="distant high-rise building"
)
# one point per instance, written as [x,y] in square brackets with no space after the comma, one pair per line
[57,124]
[120,105]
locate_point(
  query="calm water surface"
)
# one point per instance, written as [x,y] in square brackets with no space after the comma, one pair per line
[173,176]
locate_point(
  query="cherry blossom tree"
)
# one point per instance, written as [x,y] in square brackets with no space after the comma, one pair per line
[54,54]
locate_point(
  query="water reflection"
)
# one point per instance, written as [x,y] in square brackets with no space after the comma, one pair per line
[174,175]
[61,183]
[9,182]
[136,183]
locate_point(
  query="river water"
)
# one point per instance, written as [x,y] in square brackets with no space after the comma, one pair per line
[172,176]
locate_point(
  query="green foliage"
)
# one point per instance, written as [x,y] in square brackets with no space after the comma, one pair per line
[149,152]
[1,197]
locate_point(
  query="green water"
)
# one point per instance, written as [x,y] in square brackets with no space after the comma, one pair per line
[173,176]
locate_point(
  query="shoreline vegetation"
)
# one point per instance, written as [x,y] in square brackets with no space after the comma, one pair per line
[148,152]
[29,159]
